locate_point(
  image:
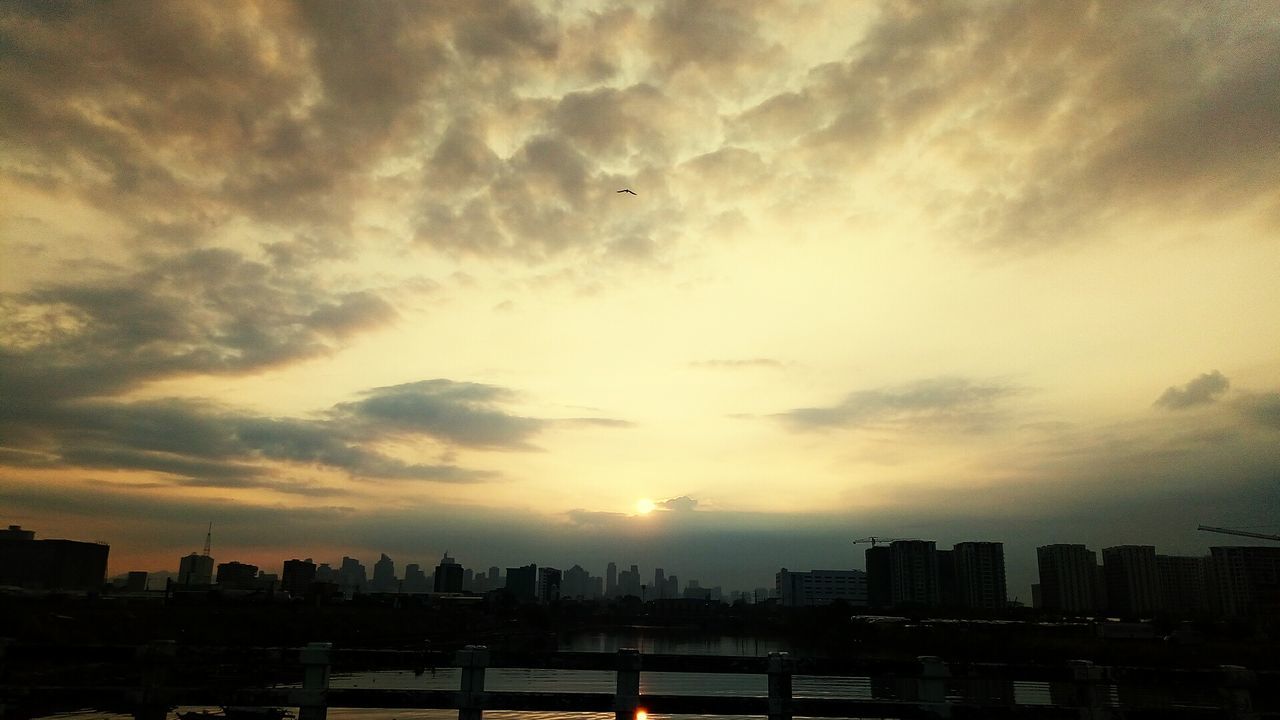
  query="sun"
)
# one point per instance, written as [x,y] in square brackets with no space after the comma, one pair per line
[644,506]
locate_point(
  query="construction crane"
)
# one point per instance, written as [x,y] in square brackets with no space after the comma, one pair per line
[1241,533]
[874,540]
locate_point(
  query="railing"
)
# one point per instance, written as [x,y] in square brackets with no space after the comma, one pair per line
[926,687]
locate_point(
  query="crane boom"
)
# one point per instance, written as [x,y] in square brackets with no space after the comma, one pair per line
[1241,533]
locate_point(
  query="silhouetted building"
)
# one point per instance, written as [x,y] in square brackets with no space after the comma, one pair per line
[51,564]
[819,587]
[15,532]
[629,583]
[979,575]
[351,576]
[948,592]
[1068,576]
[1184,583]
[1133,583]
[415,580]
[913,573]
[136,581]
[297,576]
[195,570]
[695,591]
[659,587]
[549,580]
[576,583]
[326,574]
[879,592]
[523,582]
[237,575]
[384,575]
[611,581]
[448,575]
[672,590]
[1247,580]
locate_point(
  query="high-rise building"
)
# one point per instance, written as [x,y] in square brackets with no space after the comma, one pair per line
[549,581]
[237,575]
[979,575]
[672,589]
[415,580]
[575,583]
[820,587]
[611,581]
[51,564]
[1133,583]
[913,573]
[136,581]
[659,587]
[384,575]
[1068,576]
[297,576]
[195,569]
[1184,586]
[629,583]
[351,576]
[1247,580]
[879,593]
[522,582]
[449,575]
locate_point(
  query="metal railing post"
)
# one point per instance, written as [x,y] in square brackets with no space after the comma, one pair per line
[156,660]
[781,667]
[932,683]
[4,678]
[1087,678]
[627,699]
[1235,686]
[313,703]
[472,659]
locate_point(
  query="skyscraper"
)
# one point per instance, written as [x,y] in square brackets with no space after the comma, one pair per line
[549,580]
[522,582]
[195,569]
[448,575]
[384,575]
[1133,582]
[297,576]
[979,572]
[1068,575]
[913,573]
[611,581]
[879,593]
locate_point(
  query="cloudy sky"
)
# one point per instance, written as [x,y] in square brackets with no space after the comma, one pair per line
[345,278]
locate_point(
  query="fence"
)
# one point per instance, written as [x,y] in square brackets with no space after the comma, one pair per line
[926,687]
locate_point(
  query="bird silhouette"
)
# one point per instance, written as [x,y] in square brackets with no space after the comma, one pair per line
[627,190]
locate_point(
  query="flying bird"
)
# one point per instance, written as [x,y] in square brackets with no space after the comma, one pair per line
[627,190]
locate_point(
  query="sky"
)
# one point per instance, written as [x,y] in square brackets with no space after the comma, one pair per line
[351,278]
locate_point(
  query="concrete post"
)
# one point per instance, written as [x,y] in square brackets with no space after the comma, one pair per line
[1088,685]
[932,683]
[472,659]
[315,658]
[1235,687]
[627,699]
[155,660]
[781,667]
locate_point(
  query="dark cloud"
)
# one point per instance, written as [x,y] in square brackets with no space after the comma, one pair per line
[1200,390]
[1044,124]
[200,444]
[455,412]
[208,311]
[952,401]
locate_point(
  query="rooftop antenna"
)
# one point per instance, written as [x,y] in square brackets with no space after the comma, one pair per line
[208,540]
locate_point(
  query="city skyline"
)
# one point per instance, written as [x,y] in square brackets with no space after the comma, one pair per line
[347,279]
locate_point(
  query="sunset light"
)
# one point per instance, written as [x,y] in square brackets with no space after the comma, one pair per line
[644,506]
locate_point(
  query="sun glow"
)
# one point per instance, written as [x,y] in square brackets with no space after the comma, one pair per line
[644,506]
